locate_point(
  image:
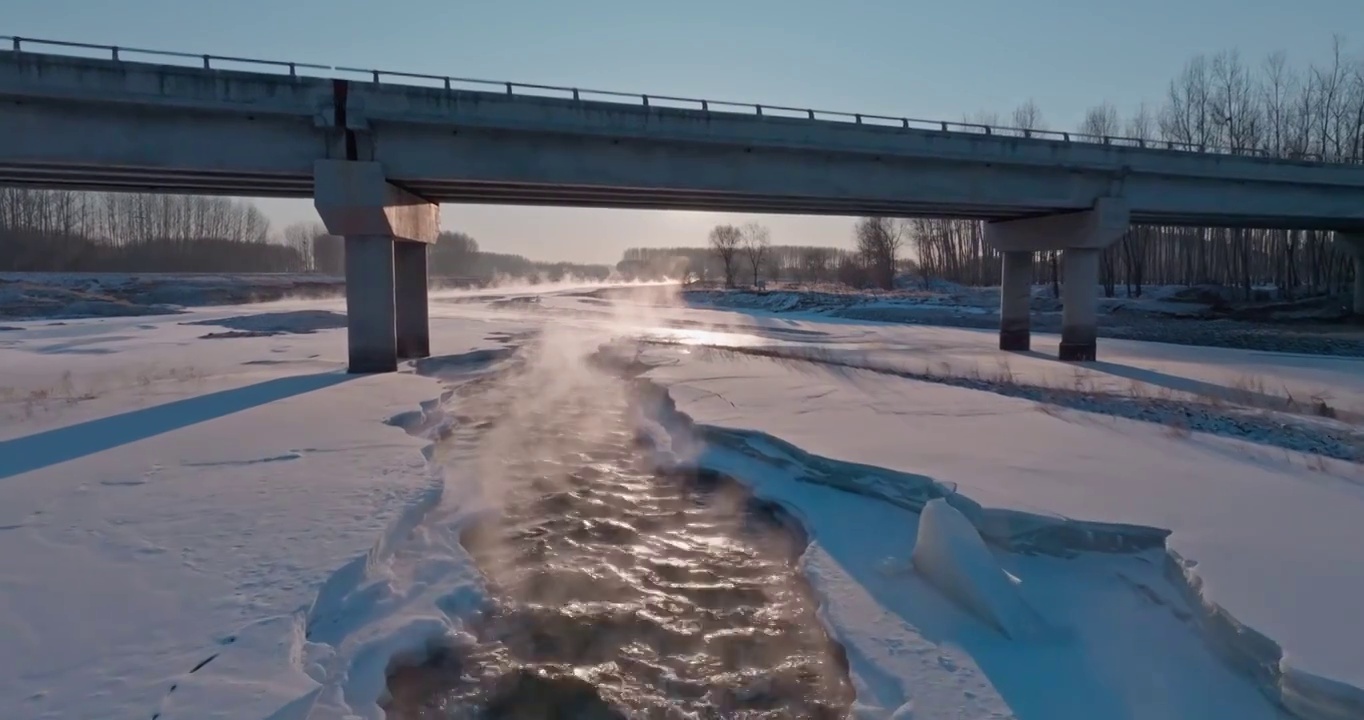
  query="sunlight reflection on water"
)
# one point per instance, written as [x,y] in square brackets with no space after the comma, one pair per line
[625,592]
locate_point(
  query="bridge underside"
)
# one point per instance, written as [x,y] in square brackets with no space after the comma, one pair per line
[667,199]
[154,180]
[472,192]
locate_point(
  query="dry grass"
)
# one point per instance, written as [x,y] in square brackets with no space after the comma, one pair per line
[1177,429]
[1318,463]
[1245,391]
[1180,413]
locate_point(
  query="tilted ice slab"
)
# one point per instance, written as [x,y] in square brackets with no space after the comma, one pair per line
[951,554]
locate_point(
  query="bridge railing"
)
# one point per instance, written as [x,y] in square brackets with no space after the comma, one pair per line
[118,52]
[450,82]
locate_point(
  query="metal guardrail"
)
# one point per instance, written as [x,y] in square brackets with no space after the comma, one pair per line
[450,82]
[117,53]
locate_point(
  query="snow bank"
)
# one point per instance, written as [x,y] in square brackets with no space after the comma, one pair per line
[1307,694]
[1279,327]
[1121,647]
[413,594]
[217,528]
[23,300]
[1275,540]
[83,295]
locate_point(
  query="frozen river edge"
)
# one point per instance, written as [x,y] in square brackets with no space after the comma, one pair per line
[740,453]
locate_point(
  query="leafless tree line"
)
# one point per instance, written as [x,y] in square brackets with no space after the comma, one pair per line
[748,248]
[791,263]
[454,256]
[121,219]
[878,247]
[55,230]
[1270,107]
[49,230]
[874,262]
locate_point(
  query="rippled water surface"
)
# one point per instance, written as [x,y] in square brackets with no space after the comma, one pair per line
[622,591]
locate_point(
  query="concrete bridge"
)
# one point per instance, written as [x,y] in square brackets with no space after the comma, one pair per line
[378,157]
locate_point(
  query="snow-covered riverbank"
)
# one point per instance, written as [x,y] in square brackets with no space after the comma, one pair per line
[205,524]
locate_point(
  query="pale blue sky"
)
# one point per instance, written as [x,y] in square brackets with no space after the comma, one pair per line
[922,58]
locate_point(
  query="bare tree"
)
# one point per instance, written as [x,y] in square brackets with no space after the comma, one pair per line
[815,264]
[1101,123]
[62,230]
[1314,111]
[1028,116]
[878,242]
[1142,124]
[301,237]
[976,122]
[850,271]
[1331,85]
[1187,114]
[455,254]
[757,241]
[724,242]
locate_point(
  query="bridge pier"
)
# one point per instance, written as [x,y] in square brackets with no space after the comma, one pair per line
[1079,304]
[370,337]
[411,301]
[1081,236]
[387,230]
[1015,299]
[1354,244]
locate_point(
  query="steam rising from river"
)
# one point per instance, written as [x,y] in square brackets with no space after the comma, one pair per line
[620,589]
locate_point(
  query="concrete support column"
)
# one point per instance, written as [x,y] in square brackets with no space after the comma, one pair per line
[1079,305]
[1082,235]
[1354,243]
[1015,299]
[410,296]
[1359,286]
[370,333]
[386,304]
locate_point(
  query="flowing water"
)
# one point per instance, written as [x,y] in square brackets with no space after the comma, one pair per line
[621,591]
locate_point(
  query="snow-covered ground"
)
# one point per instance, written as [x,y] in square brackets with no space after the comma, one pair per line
[202,515]
[914,292]
[1200,315]
[56,296]
[29,296]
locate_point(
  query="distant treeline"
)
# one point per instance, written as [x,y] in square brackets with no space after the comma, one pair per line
[455,254]
[781,263]
[66,231]
[1267,107]
[69,231]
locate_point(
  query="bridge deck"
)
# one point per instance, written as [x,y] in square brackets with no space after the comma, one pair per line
[77,122]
